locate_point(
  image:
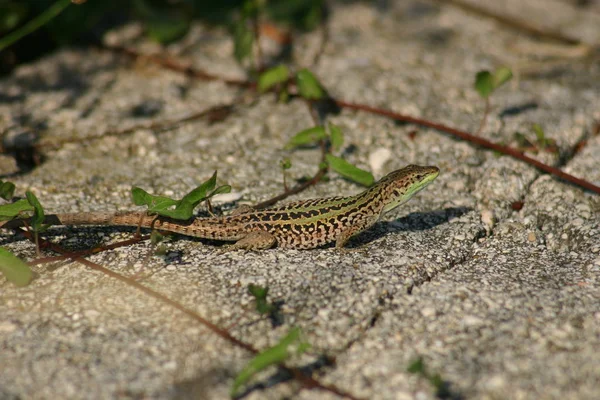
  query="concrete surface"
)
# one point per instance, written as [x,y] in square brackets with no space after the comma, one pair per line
[501,303]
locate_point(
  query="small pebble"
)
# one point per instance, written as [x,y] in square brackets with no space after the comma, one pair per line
[378,158]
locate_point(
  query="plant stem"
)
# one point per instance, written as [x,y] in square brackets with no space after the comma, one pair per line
[34,24]
[485,115]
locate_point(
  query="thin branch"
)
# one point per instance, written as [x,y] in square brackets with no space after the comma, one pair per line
[306,380]
[473,139]
[296,189]
[212,114]
[522,25]
[177,66]
[91,251]
[312,181]
[258,61]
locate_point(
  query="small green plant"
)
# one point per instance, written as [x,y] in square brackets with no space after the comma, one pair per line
[30,206]
[441,387]
[260,297]
[308,86]
[290,345]
[334,139]
[37,220]
[285,164]
[182,209]
[264,307]
[541,142]
[14,269]
[486,83]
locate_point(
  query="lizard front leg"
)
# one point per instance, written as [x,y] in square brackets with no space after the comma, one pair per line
[359,225]
[345,235]
[259,240]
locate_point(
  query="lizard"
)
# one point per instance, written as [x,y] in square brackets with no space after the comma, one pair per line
[303,224]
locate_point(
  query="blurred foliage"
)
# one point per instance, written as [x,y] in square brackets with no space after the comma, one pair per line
[84,22]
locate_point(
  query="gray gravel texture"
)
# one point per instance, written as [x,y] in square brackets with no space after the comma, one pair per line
[500,302]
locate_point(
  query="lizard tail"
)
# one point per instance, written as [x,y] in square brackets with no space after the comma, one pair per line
[97,218]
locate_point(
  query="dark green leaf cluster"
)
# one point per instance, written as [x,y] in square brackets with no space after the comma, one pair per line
[182,209]
[60,22]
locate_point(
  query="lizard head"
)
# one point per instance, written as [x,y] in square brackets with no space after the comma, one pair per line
[399,186]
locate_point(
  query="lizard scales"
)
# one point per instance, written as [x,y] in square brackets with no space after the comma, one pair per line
[302,224]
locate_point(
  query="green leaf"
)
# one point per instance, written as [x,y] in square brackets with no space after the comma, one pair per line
[178,209]
[350,171]
[337,137]
[272,77]
[7,190]
[501,76]
[306,137]
[12,210]
[484,83]
[220,190]
[199,193]
[37,220]
[14,269]
[309,86]
[243,39]
[288,346]
[142,198]
[183,211]
[163,24]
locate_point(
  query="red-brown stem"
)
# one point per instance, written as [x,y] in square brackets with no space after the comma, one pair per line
[362,107]
[306,380]
[473,139]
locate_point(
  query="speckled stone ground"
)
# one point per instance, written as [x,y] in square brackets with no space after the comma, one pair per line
[501,301]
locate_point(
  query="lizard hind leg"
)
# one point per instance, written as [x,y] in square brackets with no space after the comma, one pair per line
[259,240]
